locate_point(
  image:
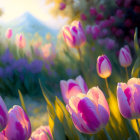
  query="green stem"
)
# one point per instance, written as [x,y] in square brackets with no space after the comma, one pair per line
[138,127]
[126,73]
[81,60]
[107,135]
[107,86]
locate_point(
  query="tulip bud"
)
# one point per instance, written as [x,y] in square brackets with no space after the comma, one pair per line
[90,112]
[8,33]
[103,66]
[62,6]
[88,29]
[93,11]
[19,126]
[74,35]
[72,87]
[3,115]
[41,133]
[125,58]
[20,41]
[83,17]
[128,97]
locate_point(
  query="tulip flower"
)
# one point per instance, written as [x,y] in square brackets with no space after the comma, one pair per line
[72,87]
[2,137]
[74,35]
[128,96]
[62,6]
[41,133]
[20,41]
[90,112]
[104,67]
[3,115]
[93,11]
[83,17]
[19,126]
[125,58]
[8,33]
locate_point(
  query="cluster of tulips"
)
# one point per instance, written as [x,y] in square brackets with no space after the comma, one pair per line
[89,108]
[15,125]
[46,51]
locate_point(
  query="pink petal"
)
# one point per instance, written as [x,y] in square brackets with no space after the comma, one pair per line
[89,113]
[82,84]
[123,103]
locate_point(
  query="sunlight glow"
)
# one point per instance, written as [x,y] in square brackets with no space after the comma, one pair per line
[38,8]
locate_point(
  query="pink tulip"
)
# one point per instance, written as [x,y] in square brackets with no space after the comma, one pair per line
[72,87]
[2,137]
[74,35]
[8,33]
[83,17]
[19,126]
[90,112]
[125,58]
[128,96]
[103,66]
[93,11]
[95,31]
[62,6]
[20,41]
[41,133]
[3,115]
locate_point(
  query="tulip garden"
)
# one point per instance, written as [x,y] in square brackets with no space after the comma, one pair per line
[83,86]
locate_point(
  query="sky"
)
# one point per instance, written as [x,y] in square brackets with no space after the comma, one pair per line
[38,8]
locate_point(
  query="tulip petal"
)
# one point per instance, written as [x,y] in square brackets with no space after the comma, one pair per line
[134,81]
[97,96]
[137,100]
[64,89]
[123,103]
[89,114]
[82,84]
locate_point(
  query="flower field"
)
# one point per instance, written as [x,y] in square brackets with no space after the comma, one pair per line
[78,82]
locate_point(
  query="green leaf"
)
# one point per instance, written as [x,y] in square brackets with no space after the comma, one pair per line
[136,44]
[22,101]
[136,68]
[65,118]
[56,127]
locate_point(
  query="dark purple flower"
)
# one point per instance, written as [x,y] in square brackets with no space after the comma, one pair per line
[36,66]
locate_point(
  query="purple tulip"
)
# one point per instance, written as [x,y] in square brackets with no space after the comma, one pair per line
[93,11]
[95,31]
[90,112]
[125,58]
[72,87]
[19,126]
[62,6]
[103,66]
[88,29]
[128,96]
[3,115]
[74,35]
[41,133]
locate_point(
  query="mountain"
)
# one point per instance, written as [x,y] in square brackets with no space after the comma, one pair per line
[29,25]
